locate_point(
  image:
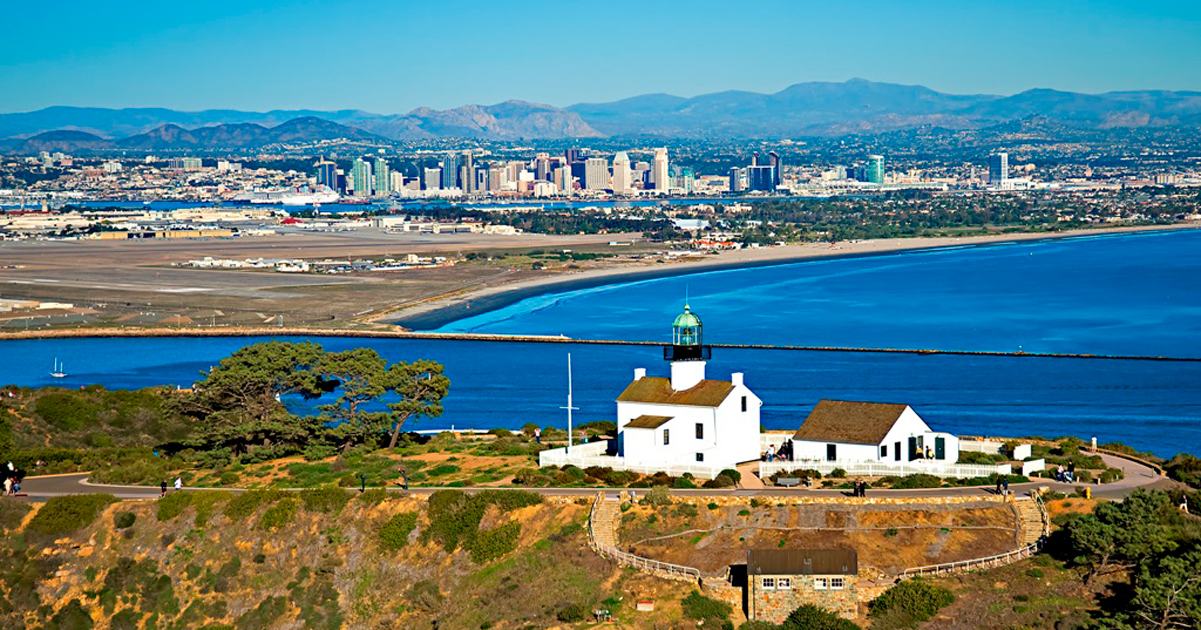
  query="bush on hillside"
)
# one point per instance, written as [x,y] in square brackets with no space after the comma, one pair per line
[125,520]
[327,500]
[509,500]
[494,543]
[720,481]
[173,505]
[732,474]
[394,534]
[67,514]
[454,518]
[908,604]
[697,606]
[572,613]
[810,617]
[246,503]
[917,480]
[659,495]
[12,513]
[281,513]
[373,496]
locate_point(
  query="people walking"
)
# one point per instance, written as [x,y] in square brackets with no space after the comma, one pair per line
[998,485]
[8,486]
[537,435]
[771,453]
[1005,484]
[162,485]
[178,484]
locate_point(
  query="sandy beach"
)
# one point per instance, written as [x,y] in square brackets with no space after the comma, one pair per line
[440,311]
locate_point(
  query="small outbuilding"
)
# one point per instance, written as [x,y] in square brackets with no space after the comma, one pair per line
[780,580]
[852,431]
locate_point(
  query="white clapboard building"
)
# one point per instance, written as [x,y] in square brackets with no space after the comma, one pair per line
[840,431]
[681,423]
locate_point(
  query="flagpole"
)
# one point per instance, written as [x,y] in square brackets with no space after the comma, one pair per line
[570,406]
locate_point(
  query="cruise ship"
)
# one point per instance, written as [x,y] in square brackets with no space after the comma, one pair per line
[291,197]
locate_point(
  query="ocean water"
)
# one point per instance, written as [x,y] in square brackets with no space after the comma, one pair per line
[1131,294]
[1152,405]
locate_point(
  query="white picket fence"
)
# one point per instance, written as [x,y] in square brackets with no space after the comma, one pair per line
[880,469]
[593,454]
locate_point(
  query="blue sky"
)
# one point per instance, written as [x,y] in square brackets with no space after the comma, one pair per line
[389,57]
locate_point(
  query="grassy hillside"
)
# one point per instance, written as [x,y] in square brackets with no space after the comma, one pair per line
[319,559]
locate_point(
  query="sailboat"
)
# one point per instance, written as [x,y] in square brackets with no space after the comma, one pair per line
[58,370]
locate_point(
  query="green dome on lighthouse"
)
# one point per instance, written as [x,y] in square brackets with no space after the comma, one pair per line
[686,329]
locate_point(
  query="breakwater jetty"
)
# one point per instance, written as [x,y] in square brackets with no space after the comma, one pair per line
[268,331]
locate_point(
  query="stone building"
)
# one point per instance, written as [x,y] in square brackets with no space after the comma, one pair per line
[780,580]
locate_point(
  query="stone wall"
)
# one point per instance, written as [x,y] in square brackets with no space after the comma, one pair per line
[773,605]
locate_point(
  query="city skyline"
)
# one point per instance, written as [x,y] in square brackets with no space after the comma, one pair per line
[278,55]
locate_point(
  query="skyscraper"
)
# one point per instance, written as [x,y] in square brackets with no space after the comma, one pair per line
[383,178]
[327,174]
[467,178]
[736,179]
[596,174]
[542,166]
[621,173]
[659,170]
[360,176]
[450,171]
[998,170]
[564,179]
[433,179]
[761,178]
[774,161]
[875,169]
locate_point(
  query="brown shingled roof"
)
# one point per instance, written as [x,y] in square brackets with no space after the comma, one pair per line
[647,422]
[802,562]
[850,422]
[651,389]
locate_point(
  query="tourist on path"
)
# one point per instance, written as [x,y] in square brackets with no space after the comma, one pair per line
[998,485]
[771,453]
[537,435]
[163,488]
[1005,484]
[178,484]
[8,486]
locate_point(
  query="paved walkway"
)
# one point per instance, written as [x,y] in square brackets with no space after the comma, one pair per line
[1137,476]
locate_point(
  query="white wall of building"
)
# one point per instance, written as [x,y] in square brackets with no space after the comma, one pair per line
[908,425]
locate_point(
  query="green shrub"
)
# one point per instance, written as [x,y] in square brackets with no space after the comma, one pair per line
[683,483]
[394,534]
[1112,474]
[720,481]
[659,495]
[373,496]
[890,532]
[697,606]
[327,500]
[810,617]
[838,473]
[12,513]
[573,613]
[173,505]
[454,517]
[246,503]
[443,469]
[73,616]
[712,506]
[732,474]
[918,480]
[494,543]
[909,603]
[125,520]
[67,514]
[509,500]
[280,513]
[66,410]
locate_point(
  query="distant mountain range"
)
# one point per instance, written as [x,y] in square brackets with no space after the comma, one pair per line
[815,108]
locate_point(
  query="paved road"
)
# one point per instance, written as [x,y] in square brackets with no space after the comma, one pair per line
[1137,476]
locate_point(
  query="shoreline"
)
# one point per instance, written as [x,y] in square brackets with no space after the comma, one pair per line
[438,312]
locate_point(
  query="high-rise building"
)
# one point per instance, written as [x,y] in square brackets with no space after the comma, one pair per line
[737,179]
[398,181]
[327,174]
[659,170]
[574,155]
[542,167]
[761,177]
[564,179]
[998,170]
[688,180]
[497,178]
[875,169]
[432,179]
[383,178]
[774,160]
[596,174]
[360,178]
[621,173]
[467,173]
[450,171]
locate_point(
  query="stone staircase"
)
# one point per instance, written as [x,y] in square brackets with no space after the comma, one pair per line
[605,517]
[1030,521]
[602,536]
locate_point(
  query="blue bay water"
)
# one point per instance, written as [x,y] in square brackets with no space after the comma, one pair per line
[1148,404]
[1133,294]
